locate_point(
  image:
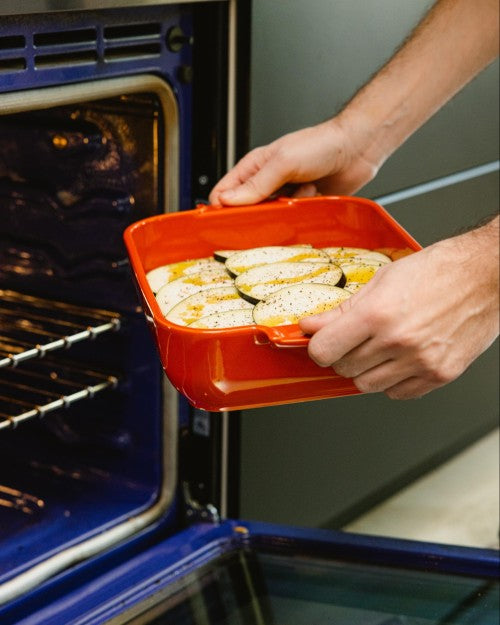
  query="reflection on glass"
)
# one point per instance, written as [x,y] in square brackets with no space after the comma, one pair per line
[247,588]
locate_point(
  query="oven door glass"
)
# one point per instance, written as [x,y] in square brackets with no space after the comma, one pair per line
[238,573]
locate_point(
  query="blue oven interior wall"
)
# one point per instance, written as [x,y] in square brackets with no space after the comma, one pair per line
[71,178]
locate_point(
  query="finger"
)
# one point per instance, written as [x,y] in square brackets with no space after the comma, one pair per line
[338,337]
[411,388]
[271,176]
[244,169]
[313,323]
[381,377]
[362,358]
[306,190]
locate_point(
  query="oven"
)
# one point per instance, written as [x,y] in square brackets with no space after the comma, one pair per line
[115,494]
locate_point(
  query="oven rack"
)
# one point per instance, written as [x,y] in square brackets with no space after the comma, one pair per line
[30,327]
[40,387]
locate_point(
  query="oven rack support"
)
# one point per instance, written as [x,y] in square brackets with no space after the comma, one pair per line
[41,387]
[30,327]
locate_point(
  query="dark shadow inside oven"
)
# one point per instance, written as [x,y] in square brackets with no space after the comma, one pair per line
[81,446]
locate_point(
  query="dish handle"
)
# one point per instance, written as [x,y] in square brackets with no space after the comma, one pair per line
[281,336]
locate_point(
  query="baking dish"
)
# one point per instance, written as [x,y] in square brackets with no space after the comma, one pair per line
[251,366]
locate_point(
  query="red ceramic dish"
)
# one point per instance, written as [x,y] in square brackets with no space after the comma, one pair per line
[251,366]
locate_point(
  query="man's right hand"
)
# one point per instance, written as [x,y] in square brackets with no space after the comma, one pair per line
[318,159]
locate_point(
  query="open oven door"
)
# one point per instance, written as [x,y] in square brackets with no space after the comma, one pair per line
[250,573]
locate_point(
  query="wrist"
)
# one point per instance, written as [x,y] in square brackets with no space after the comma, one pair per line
[477,253]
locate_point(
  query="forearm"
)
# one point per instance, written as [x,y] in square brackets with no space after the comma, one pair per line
[456,40]
[478,252]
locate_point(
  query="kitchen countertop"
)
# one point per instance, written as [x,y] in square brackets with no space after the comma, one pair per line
[458,503]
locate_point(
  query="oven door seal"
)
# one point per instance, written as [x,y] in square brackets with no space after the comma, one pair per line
[17,102]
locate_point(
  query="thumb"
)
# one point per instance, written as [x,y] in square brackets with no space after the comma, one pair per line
[313,323]
[258,187]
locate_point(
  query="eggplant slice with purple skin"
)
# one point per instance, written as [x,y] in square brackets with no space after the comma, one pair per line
[355,255]
[226,319]
[223,255]
[292,303]
[261,281]
[206,303]
[174,292]
[167,273]
[358,274]
[246,259]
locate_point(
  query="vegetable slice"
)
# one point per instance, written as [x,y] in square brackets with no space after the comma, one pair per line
[166,273]
[259,282]
[246,259]
[174,292]
[359,273]
[353,287]
[356,254]
[226,319]
[222,255]
[204,303]
[292,303]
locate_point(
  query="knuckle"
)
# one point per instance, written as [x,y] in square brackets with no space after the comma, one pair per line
[437,369]
[379,318]
[444,374]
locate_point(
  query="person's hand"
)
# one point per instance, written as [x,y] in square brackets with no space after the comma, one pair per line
[319,159]
[417,325]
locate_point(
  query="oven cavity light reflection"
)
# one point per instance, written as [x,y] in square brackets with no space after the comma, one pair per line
[17,500]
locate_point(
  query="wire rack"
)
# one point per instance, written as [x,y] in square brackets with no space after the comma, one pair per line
[31,328]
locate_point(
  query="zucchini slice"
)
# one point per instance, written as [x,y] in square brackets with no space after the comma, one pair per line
[226,319]
[246,259]
[174,292]
[356,254]
[166,273]
[292,303]
[259,282]
[207,302]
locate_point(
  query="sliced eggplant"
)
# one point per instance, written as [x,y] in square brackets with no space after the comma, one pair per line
[223,255]
[359,273]
[353,287]
[246,259]
[166,273]
[292,303]
[207,302]
[259,282]
[174,292]
[356,254]
[226,319]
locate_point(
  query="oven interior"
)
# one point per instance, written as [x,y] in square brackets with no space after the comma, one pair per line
[80,387]
[106,116]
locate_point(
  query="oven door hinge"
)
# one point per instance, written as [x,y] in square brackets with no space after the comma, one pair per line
[199,466]
[195,512]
